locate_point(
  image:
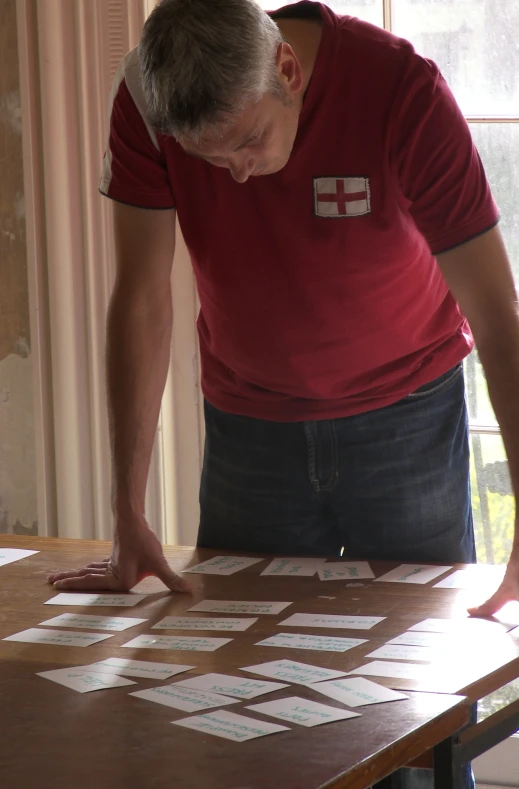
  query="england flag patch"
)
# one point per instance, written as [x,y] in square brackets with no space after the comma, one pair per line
[335,198]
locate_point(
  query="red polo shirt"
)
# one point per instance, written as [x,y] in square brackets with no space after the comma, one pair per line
[320,294]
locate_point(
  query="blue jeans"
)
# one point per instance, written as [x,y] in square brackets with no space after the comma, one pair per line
[388,484]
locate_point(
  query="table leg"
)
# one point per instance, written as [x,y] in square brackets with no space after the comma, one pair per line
[386,783]
[447,765]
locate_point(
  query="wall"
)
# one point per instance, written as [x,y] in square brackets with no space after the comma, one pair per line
[18,509]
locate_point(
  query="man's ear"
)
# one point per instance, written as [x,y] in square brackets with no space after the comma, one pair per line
[289,69]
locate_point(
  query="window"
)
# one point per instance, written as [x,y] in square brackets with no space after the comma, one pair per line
[476,45]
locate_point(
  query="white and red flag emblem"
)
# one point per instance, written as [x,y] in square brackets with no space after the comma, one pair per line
[339,197]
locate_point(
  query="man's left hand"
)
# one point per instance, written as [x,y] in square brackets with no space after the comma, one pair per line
[509,589]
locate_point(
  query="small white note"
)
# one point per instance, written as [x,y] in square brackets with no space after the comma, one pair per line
[177,642]
[84,681]
[231,686]
[298,710]
[473,577]
[8,555]
[467,626]
[357,691]
[403,652]
[99,622]
[304,641]
[288,566]
[332,622]
[239,607]
[292,671]
[378,668]
[414,638]
[88,600]
[205,623]
[436,625]
[137,668]
[185,699]
[414,573]
[57,637]
[230,726]
[336,571]
[222,565]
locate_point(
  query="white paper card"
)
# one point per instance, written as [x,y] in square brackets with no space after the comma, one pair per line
[230,726]
[414,574]
[378,668]
[239,607]
[222,565]
[335,571]
[298,710]
[473,577]
[292,671]
[185,699]
[137,668]
[402,652]
[8,555]
[466,627]
[288,566]
[57,637]
[417,639]
[87,600]
[177,642]
[99,622]
[332,622]
[84,681]
[304,641]
[436,625]
[357,691]
[203,623]
[232,686]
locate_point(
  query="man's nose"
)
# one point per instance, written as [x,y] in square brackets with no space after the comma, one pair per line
[241,171]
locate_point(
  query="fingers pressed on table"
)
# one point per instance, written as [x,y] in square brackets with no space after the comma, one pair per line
[75,573]
[492,605]
[97,582]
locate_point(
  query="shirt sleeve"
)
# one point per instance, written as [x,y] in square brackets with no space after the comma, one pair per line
[440,173]
[134,166]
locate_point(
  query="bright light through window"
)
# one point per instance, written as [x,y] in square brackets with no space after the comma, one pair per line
[477,49]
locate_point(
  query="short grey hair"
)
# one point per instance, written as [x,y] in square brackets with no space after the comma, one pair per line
[203,61]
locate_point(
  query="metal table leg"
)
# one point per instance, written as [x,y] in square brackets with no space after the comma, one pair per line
[447,764]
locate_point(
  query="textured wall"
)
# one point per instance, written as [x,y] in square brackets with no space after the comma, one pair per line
[18,512]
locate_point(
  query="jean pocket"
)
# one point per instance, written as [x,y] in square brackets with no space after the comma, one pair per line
[438,384]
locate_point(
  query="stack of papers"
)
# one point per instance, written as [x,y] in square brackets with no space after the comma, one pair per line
[177,643]
[304,641]
[222,565]
[302,711]
[89,600]
[230,726]
[9,555]
[332,621]
[239,607]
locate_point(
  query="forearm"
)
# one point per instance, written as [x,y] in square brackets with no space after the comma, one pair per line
[500,360]
[137,357]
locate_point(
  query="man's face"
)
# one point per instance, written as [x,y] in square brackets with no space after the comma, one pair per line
[257,142]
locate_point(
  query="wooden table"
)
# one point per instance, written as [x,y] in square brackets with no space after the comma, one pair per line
[54,737]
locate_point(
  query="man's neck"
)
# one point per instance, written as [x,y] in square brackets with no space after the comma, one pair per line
[304,36]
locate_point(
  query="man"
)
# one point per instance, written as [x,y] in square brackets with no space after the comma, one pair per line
[349,218]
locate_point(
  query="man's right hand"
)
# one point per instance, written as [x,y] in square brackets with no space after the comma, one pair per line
[136,554]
